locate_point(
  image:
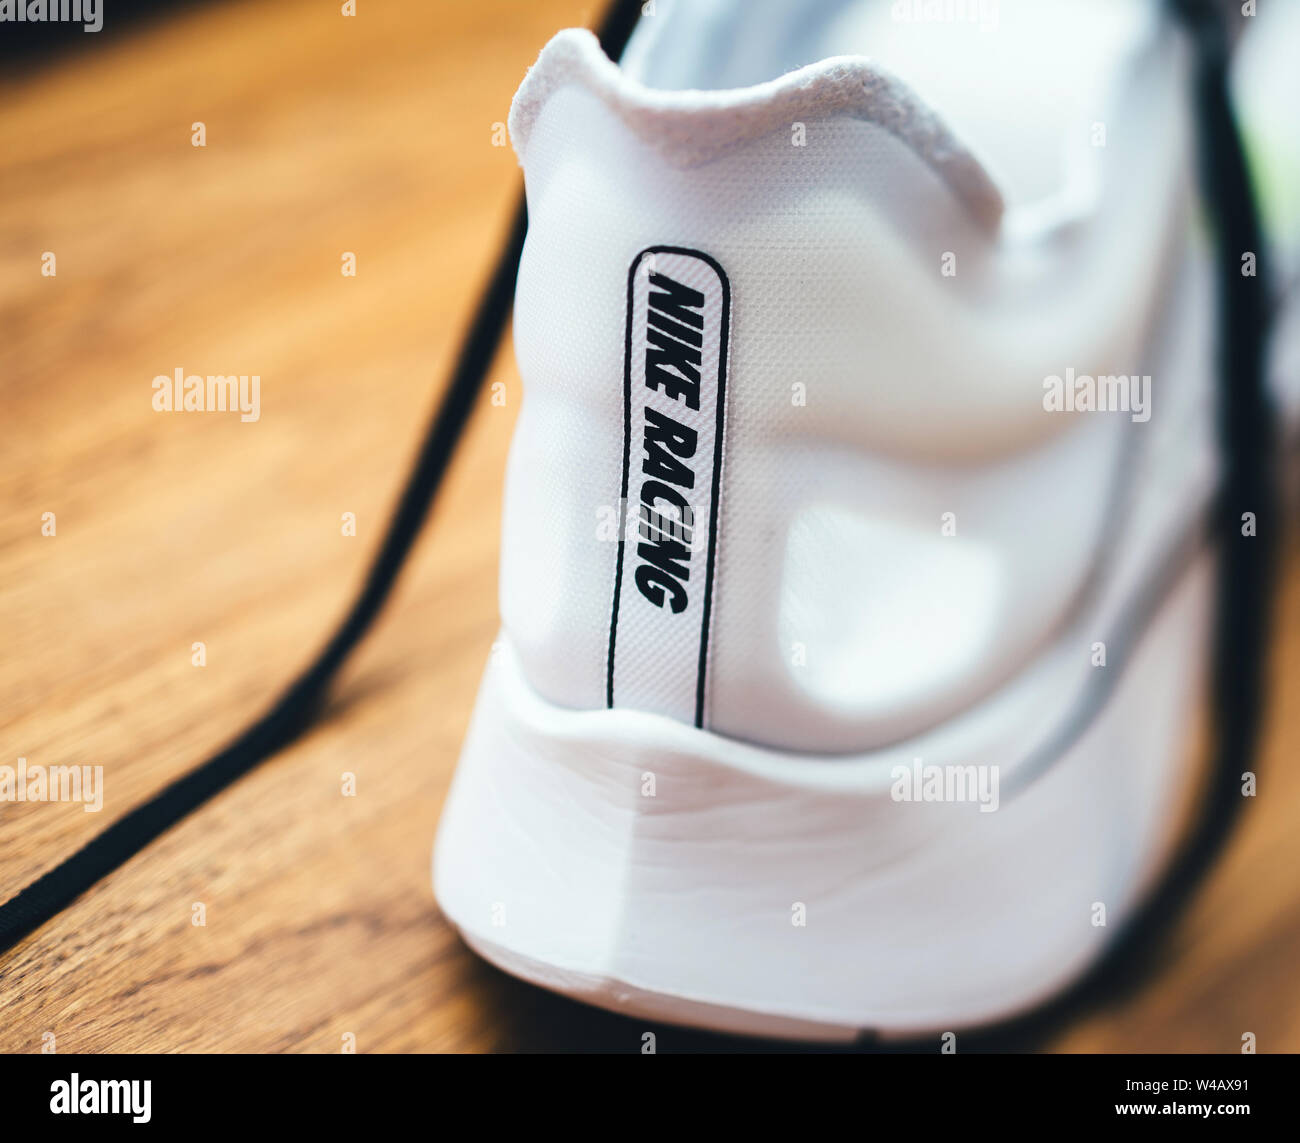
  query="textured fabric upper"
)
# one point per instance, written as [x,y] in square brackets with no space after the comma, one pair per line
[899,524]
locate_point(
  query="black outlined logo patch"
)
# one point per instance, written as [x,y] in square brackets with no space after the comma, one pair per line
[674,415]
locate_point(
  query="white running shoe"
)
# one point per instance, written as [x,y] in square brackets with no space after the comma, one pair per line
[871,710]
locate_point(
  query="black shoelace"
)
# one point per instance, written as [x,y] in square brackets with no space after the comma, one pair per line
[1244,574]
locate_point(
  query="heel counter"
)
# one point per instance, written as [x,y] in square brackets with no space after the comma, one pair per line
[837,462]
[717,196]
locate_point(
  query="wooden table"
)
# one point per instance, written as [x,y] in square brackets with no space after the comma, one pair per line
[325,135]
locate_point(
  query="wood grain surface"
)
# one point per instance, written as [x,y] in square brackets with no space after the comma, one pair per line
[325,135]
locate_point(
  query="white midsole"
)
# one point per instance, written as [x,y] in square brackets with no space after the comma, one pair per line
[662,871]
